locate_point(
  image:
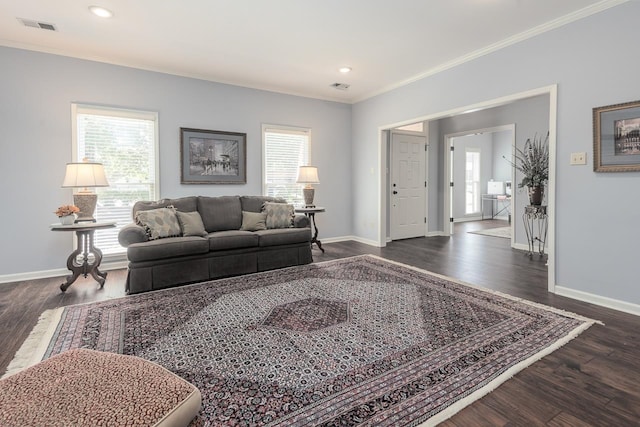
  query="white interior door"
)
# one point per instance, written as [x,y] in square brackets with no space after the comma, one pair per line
[408,186]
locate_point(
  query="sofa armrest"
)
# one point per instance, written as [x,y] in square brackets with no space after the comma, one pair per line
[132,233]
[301,221]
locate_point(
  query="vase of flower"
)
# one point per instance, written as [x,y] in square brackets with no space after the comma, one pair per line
[533,162]
[68,219]
[536,193]
[67,214]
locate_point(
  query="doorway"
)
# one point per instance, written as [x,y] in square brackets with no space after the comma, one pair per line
[548,93]
[479,177]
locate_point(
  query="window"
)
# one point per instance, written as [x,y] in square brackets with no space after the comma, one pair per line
[472,181]
[126,143]
[284,150]
[414,127]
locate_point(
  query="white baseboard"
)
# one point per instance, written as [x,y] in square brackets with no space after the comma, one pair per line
[347,238]
[58,272]
[607,302]
[437,234]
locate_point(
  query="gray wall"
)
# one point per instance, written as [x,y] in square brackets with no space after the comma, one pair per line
[597,215]
[35,142]
[501,169]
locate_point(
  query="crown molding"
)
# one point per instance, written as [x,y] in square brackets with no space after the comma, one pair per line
[540,29]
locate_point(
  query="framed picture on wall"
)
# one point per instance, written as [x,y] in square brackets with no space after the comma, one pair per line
[616,138]
[212,157]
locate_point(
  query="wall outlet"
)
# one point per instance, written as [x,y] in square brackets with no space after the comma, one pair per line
[578,158]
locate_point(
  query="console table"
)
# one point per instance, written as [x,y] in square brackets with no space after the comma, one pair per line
[535,225]
[311,214]
[84,234]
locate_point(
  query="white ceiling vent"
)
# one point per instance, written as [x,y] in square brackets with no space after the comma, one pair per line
[35,24]
[340,86]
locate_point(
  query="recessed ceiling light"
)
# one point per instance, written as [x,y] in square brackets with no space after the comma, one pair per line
[344,70]
[101,11]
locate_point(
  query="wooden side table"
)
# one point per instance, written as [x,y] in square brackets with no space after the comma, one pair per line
[84,234]
[311,214]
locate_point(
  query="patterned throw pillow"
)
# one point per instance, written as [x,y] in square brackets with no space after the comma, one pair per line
[279,215]
[191,223]
[253,221]
[159,223]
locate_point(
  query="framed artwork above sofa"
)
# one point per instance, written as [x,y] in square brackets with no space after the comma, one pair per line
[212,157]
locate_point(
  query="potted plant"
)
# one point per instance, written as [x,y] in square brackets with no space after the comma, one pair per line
[67,214]
[533,162]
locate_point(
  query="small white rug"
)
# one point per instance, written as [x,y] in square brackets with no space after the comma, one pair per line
[504,232]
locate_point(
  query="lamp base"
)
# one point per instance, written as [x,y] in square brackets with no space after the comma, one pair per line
[86,202]
[308,193]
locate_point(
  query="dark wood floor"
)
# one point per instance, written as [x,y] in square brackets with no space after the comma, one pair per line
[594,380]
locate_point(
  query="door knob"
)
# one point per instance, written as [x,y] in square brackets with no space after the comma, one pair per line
[395,192]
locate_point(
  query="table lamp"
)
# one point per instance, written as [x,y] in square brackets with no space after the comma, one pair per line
[308,175]
[85,175]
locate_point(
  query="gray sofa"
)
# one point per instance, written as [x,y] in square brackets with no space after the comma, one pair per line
[225,250]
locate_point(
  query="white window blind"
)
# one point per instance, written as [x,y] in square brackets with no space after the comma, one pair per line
[125,142]
[285,150]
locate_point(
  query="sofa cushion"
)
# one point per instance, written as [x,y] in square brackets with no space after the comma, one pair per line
[191,223]
[283,236]
[182,204]
[220,213]
[279,215]
[170,247]
[253,221]
[232,239]
[254,203]
[159,223]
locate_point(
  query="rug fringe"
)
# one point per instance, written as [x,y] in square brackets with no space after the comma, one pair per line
[502,378]
[34,347]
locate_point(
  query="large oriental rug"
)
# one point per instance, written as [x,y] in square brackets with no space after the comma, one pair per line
[358,341]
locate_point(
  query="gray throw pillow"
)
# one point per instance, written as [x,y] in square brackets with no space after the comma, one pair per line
[253,221]
[159,223]
[191,223]
[279,215]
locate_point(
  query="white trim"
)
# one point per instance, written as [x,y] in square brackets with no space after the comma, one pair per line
[533,32]
[350,238]
[599,300]
[559,22]
[58,272]
[550,243]
[437,234]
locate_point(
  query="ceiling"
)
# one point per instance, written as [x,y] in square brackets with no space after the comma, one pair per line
[288,46]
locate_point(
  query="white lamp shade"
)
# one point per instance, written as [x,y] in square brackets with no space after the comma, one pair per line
[308,175]
[85,175]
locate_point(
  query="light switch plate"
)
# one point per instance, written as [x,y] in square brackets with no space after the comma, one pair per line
[578,158]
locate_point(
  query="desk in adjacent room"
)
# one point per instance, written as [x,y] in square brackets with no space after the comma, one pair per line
[500,203]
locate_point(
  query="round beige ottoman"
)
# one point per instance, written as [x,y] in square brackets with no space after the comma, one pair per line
[91,388]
